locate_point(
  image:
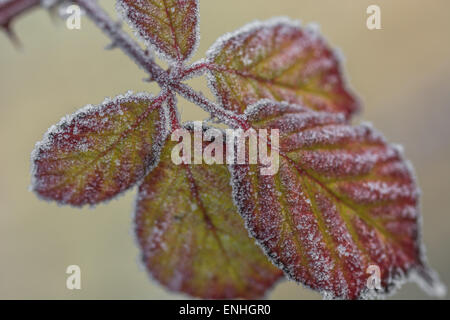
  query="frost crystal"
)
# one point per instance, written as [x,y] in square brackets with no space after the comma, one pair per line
[170,28]
[343,200]
[277,60]
[99,151]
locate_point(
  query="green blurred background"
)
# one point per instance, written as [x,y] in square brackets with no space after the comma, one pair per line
[402,74]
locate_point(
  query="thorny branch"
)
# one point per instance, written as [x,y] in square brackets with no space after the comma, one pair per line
[229,117]
[120,39]
[12,9]
[123,41]
[171,82]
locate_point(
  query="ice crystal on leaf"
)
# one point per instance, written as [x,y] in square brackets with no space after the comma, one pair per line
[195,241]
[168,26]
[99,151]
[343,198]
[279,60]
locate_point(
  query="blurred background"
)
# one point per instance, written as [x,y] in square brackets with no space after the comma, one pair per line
[402,74]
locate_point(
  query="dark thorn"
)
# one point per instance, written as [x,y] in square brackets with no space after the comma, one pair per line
[53,13]
[118,25]
[111,46]
[12,36]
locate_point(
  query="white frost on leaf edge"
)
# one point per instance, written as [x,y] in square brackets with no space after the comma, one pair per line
[196,73]
[255,108]
[139,258]
[312,28]
[246,29]
[433,287]
[122,10]
[68,118]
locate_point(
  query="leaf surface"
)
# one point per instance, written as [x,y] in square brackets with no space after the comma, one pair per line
[99,151]
[192,239]
[342,200]
[168,26]
[278,60]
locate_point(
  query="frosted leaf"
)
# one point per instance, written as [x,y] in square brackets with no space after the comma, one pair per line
[170,27]
[100,151]
[278,60]
[191,237]
[342,200]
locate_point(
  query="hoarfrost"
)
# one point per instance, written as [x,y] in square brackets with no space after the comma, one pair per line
[68,135]
[316,131]
[132,16]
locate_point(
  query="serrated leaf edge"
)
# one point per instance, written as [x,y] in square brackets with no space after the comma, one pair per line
[433,286]
[67,119]
[311,28]
[120,8]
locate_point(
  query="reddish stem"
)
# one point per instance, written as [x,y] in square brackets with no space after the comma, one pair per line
[194,69]
[122,40]
[11,9]
[173,114]
[230,118]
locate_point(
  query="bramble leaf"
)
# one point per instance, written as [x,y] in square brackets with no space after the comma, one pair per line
[281,61]
[170,27]
[341,201]
[99,151]
[191,237]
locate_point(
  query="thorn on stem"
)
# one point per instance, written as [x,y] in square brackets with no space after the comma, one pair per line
[111,46]
[54,14]
[12,36]
[118,25]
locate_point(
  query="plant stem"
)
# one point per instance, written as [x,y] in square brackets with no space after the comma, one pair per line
[130,47]
[197,68]
[11,9]
[228,117]
[173,113]
[122,40]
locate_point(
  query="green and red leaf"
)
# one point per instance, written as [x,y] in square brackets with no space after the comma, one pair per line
[192,238]
[100,151]
[170,27]
[342,200]
[278,60]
